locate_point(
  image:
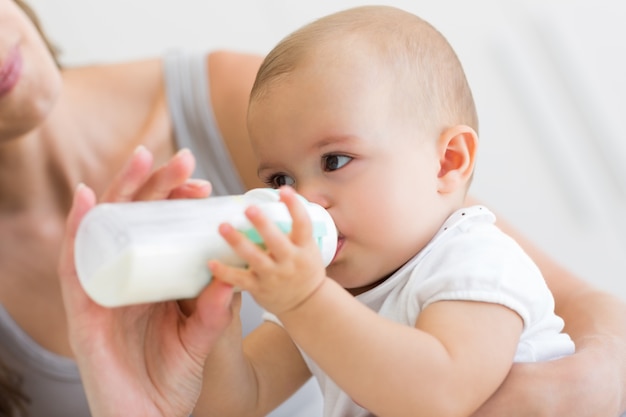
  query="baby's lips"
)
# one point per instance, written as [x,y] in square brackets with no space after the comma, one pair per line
[340,240]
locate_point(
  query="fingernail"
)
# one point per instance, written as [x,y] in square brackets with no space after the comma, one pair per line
[139,149]
[198,183]
[183,151]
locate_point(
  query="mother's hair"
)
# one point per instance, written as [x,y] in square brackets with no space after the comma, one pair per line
[30,13]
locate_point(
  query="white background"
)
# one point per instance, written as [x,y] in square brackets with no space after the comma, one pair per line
[547,76]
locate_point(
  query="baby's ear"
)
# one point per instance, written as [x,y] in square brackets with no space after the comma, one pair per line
[456,148]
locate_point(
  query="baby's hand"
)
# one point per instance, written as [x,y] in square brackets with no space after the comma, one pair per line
[288,271]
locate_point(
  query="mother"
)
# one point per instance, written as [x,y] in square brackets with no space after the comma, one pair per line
[63,126]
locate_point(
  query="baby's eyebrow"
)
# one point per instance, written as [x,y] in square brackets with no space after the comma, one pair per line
[336,139]
[263,168]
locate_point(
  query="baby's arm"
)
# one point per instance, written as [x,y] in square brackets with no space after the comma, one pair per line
[592,382]
[250,378]
[460,350]
[448,365]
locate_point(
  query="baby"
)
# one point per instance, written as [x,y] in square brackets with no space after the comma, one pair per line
[426,304]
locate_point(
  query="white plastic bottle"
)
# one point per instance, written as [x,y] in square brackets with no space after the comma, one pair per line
[138,252]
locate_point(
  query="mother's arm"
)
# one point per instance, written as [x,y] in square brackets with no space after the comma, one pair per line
[592,382]
[143,359]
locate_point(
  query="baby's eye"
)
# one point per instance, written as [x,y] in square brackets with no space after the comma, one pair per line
[278,180]
[334,162]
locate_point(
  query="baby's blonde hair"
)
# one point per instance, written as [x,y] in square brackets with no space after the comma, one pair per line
[413,50]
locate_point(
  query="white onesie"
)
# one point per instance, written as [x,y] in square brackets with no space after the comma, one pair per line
[468,259]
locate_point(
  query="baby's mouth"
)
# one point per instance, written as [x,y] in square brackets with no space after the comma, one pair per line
[340,242]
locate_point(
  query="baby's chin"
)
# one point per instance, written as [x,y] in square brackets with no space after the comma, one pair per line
[355,284]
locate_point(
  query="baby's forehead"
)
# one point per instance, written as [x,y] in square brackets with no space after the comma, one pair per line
[346,47]
[347,59]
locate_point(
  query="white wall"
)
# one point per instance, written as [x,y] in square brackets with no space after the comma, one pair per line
[547,77]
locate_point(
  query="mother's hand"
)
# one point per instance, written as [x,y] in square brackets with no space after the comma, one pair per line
[584,384]
[144,359]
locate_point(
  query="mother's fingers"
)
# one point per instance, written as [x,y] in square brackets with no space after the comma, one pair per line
[84,200]
[168,177]
[131,178]
[213,312]
[137,182]
[192,188]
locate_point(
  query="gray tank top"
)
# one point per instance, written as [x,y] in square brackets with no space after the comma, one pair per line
[52,382]
[195,127]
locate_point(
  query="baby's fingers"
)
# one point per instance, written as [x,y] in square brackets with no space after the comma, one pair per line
[302,230]
[276,242]
[235,277]
[244,248]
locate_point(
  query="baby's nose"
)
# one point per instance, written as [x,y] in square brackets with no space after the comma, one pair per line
[315,194]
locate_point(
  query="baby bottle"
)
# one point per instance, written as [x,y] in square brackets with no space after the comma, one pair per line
[138,252]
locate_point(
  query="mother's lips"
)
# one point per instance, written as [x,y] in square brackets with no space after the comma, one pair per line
[10,70]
